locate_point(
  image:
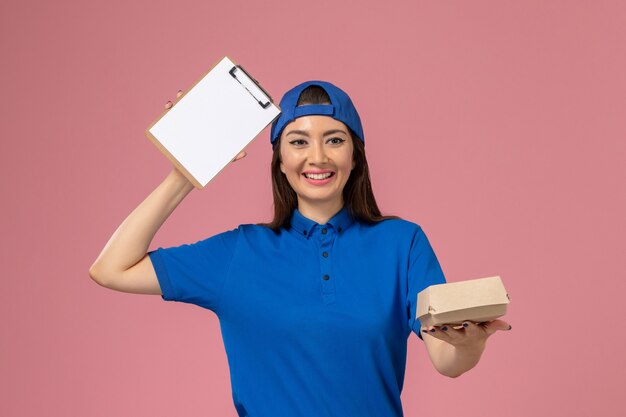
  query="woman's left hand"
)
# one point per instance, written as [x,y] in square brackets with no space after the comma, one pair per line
[468,334]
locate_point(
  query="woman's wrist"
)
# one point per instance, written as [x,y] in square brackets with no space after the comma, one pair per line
[176,177]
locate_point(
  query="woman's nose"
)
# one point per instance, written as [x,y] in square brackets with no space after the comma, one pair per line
[318,154]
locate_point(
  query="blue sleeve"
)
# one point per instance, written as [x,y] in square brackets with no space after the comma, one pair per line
[424,271]
[195,273]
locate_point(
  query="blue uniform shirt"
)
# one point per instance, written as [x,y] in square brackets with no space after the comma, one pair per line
[315,318]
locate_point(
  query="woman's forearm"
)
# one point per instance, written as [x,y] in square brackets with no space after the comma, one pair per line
[131,240]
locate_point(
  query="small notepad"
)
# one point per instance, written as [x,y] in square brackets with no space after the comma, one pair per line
[211,123]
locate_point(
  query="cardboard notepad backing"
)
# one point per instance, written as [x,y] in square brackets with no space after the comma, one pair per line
[213,121]
[475,300]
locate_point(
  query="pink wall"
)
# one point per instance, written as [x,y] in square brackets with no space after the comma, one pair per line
[496,125]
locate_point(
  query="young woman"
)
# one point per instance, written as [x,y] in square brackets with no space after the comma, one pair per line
[315,307]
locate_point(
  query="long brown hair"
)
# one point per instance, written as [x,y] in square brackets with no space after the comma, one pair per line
[358,196]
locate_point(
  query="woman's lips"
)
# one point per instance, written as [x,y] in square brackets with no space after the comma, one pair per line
[319,182]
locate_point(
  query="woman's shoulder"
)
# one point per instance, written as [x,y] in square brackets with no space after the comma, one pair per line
[394,224]
[252,229]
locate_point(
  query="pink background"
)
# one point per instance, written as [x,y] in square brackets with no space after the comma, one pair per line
[496,125]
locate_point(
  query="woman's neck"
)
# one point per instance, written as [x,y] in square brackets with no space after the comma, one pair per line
[319,212]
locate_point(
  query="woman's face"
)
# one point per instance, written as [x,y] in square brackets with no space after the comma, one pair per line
[316,146]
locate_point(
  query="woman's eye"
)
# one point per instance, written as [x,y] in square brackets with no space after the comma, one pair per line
[338,140]
[297,142]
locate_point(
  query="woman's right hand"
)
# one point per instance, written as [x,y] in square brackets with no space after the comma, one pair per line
[170,104]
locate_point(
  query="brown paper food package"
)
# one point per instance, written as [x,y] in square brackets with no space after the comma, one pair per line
[475,300]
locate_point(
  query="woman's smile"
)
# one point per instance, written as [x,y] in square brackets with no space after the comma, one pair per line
[319,177]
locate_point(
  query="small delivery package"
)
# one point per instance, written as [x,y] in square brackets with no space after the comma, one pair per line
[476,300]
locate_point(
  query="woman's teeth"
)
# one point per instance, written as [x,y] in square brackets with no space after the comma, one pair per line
[318,176]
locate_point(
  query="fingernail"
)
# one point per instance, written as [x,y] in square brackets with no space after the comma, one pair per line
[465,325]
[444,328]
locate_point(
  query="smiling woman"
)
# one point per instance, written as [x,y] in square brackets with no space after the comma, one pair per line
[315,307]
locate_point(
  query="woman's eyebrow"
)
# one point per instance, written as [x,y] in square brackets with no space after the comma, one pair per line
[330,132]
[305,133]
